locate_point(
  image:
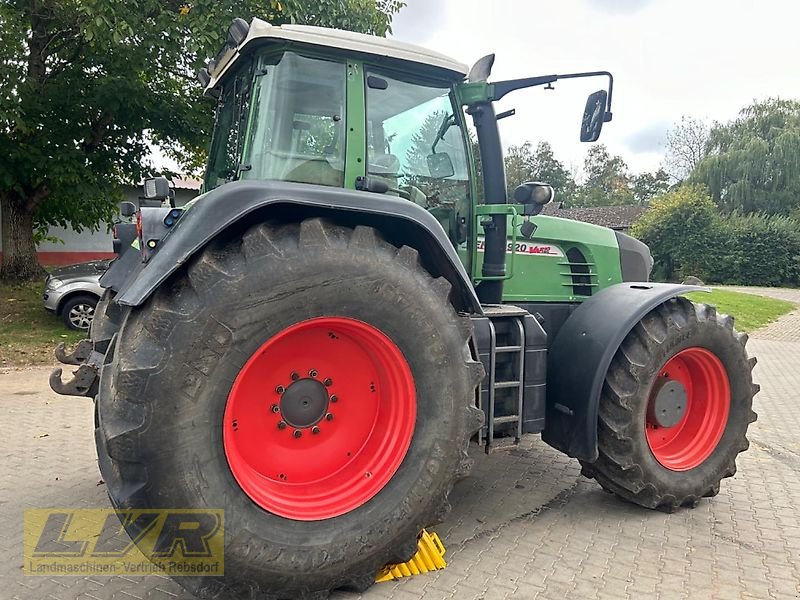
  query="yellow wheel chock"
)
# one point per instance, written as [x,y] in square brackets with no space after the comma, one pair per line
[429,557]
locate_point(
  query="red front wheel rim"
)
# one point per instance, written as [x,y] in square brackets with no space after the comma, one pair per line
[689,442]
[320,418]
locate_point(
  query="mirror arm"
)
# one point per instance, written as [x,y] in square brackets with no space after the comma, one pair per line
[608,115]
[501,88]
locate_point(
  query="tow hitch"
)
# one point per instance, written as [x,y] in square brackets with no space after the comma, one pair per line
[85,378]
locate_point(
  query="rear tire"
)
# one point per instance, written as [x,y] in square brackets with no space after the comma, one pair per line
[686,462]
[172,371]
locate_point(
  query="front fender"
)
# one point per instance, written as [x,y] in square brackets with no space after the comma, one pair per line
[581,354]
[245,203]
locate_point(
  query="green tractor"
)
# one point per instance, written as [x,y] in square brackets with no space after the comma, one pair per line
[314,343]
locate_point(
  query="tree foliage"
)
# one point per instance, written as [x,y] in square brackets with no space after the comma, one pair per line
[526,163]
[757,249]
[87,84]
[677,228]
[753,162]
[687,235]
[646,186]
[608,181]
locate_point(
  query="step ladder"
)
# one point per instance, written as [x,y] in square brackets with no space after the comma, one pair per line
[510,353]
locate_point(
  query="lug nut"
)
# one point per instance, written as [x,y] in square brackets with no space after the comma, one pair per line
[297,433]
[315,430]
[282,425]
[328,382]
[294,376]
[280,389]
[312,373]
[334,398]
[276,408]
[329,417]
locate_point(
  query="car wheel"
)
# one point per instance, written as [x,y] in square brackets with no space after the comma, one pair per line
[78,312]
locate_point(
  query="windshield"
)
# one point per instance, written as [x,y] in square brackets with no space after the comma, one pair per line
[416,145]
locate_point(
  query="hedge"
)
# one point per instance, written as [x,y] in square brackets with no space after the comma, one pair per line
[688,236]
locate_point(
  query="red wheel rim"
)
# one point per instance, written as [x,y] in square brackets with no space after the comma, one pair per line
[320,418]
[691,441]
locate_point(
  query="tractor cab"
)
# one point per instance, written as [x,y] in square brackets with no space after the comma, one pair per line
[355,113]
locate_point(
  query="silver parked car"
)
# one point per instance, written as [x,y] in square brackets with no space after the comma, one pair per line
[72,292]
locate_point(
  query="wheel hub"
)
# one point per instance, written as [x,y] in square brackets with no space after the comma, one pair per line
[668,402]
[304,403]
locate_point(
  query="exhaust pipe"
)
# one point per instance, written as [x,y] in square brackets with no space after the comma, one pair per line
[494,187]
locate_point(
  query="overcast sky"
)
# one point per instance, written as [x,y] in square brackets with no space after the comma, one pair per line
[704,58]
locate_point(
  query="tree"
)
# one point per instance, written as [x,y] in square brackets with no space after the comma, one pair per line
[524,163]
[686,147]
[646,186]
[679,227]
[87,84]
[416,162]
[753,162]
[607,179]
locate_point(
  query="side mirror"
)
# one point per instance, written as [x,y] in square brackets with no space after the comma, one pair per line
[440,165]
[156,188]
[533,195]
[127,209]
[593,116]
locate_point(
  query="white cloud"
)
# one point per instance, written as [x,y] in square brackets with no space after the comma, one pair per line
[618,6]
[669,58]
[649,139]
[420,20]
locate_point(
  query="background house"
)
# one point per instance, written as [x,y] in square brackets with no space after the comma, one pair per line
[75,247]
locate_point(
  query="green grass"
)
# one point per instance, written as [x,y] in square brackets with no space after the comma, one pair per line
[751,312]
[28,333]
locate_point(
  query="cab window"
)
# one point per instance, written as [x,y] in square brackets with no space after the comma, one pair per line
[416,145]
[297,126]
[229,126]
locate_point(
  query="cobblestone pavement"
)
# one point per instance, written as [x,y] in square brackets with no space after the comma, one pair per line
[786,328]
[525,525]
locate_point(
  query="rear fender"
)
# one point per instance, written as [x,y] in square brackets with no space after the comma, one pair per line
[581,354]
[239,205]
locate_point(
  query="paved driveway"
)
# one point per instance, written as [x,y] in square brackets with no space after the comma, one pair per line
[526,525]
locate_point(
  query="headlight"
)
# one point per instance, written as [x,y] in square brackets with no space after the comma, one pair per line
[54,284]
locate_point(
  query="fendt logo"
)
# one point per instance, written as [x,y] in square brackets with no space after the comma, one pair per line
[85,541]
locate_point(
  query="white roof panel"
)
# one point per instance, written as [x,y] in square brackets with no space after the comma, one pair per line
[345,40]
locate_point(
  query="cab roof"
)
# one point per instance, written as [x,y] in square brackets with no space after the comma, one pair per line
[337,39]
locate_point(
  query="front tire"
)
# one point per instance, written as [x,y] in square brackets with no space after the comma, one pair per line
[675,408]
[203,362]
